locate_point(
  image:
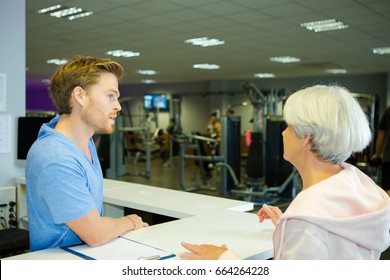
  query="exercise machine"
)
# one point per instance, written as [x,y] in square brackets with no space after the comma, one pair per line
[119,145]
[268,177]
[195,143]
[175,128]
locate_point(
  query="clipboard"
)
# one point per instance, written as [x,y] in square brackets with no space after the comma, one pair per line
[120,248]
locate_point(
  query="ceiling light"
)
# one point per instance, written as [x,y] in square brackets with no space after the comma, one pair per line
[148,81]
[324,25]
[66,12]
[381,51]
[60,11]
[49,9]
[285,59]
[204,42]
[264,75]
[206,66]
[147,72]
[86,14]
[122,53]
[336,71]
[57,61]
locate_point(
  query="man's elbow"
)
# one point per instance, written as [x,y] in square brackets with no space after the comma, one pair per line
[95,240]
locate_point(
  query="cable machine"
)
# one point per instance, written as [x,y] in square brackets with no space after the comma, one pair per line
[280,176]
[118,146]
[193,142]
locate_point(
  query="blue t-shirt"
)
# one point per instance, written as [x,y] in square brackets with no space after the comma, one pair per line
[62,184]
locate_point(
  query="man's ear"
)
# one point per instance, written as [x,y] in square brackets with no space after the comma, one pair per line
[78,95]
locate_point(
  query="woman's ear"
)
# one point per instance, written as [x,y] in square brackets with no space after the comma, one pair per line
[306,140]
[78,95]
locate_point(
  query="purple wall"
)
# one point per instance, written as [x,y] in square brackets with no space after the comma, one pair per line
[38,98]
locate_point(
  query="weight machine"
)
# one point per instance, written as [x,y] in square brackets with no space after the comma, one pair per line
[276,177]
[194,142]
[174,129]
[118,143]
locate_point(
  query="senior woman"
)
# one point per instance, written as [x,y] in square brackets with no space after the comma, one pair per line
[340,212]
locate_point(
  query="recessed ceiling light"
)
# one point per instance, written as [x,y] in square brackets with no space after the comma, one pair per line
[60,11]
[147,72]
[381,51]
[57,61]
[86,14]
[49,9]
[204,42]
[148,81]
[285,59]
[206,66]
[336,71]
[66,12]
[264,75]
[324,25]
[122,53]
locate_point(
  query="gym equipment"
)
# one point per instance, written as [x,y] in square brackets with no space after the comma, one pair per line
[278,181]
[174,129]
[119,145]
[230,149]
[268,176]
[194,142]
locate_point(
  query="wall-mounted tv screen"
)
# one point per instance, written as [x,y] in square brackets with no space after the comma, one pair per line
[154,101]
[28,128]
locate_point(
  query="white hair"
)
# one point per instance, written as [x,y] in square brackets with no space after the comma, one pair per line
[332,117]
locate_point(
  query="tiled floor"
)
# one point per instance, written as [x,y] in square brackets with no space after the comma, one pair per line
[168,176]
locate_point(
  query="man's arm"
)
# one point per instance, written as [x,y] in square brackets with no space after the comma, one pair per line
[95,230]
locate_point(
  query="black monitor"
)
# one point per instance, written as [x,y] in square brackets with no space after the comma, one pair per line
[154,101]
[28,128]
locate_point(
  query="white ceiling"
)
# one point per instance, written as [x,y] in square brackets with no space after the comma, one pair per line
[254,31]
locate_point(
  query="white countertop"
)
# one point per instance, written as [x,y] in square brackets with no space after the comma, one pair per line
[202,219]
[241,232]
[168,202]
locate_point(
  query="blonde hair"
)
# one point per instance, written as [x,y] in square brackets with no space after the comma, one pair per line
[82,71]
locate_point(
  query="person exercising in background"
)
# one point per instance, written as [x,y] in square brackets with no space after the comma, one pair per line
[213,127]
[212,130]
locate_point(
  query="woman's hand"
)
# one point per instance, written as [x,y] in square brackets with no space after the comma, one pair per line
[269,212]
[202,252]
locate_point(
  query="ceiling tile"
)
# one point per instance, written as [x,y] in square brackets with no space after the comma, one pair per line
[254,30]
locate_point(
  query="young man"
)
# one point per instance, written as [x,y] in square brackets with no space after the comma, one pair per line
[63,174]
